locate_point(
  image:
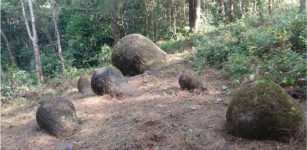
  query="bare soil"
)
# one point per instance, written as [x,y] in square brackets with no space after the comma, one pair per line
[160,116]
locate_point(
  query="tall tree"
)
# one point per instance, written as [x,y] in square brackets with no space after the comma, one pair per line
[242,6]
[231,15]
[116,33]
[254,7]
[221,7]
[8,47]
[270,6]
[194,15]
[34,40]
[57,32]
[303,6]
[113,7]
[173,17]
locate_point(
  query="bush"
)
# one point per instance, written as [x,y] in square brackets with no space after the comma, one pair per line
[85,35]
[51,64]
[15,82]
[172,45]
[104,56]
[271,48]
[70,73]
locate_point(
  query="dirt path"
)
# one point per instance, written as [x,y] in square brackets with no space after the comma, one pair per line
[161,116]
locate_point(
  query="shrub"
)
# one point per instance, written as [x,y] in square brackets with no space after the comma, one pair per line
[104,56]
[15,82]
[271,48]
[172,45]
[51,64]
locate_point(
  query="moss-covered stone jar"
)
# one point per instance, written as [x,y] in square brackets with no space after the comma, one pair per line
[263,110]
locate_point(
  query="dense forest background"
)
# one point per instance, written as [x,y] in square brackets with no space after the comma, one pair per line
[50,42]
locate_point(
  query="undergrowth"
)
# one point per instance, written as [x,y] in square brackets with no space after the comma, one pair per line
[274,47]
[17,84]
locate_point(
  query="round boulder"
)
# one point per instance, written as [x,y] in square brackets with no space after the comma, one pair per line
[84,84]
[263,110]
[190,81]
[109,80]
[57,117]
[134,54]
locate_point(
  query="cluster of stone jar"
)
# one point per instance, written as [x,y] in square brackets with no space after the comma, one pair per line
[259,110]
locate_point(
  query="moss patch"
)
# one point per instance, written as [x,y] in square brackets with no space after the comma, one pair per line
[263,110]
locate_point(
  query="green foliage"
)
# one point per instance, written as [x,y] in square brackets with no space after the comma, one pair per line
[255,43]
[265,48]
[45,96]
[85,37]
[52,64]
[105,55]
[238,65]
[172,45]
[19,101]
[70,73]
[15,81]
[5,59]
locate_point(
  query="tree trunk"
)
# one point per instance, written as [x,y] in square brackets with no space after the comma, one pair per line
[116,34]
[57,32]
[270,7]
[38,63]
[221,7]
[156,31]
[231,11]
[173,16]
[8,46]
[254,7]
[48,36]
[34,40]
[194,15]
[125,18]
[147,24]
[303,6]
[1,71]
[124,22]
[242,9]
[26,20]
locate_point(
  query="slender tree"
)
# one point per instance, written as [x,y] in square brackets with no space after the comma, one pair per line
[270,6]
[254,7]
[303,6]
[34,40]
[1,70]
[57,32]
[8,47]
[194,15]
[242,6]
[125,22]
[116,34]
[221,7]
[231,14]
[173,16]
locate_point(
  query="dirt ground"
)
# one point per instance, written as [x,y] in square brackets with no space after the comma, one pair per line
[160,116]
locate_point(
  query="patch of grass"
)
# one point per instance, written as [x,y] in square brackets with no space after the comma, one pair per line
[155,81]
[46,96]
[173,45]
[188,101]
[134,117]
[167,91]
[20,101]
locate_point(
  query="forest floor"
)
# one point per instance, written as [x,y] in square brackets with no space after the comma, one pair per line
[161,116]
